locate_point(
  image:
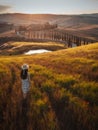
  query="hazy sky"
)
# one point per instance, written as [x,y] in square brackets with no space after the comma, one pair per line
[49,6]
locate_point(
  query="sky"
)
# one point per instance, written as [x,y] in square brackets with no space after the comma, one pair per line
[49,6]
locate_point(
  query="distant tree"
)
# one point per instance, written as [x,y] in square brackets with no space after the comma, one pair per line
[69,43]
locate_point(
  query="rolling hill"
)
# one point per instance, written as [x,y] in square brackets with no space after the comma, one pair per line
[17,48]
[81,25]
[63,93]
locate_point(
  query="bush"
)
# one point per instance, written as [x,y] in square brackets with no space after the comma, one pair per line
[48,86]
[95,67]
[42,105]
[65,81]
[87,91]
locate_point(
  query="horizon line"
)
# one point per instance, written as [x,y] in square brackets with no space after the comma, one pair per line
[48,13]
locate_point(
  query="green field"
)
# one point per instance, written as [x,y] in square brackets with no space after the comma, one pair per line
[63,93]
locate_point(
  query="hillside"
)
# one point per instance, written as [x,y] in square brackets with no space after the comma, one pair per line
[63,93]
[61,20]
[17,48]
[81,25]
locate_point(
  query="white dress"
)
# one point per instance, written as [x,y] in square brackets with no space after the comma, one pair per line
[26,84]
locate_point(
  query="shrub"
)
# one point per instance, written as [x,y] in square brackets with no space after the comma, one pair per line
[87,91]
[48,86]
[35,94]
[64,96]
[42,105]
[65,81]
[95,67]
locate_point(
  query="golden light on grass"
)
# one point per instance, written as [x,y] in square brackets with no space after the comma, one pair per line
[64,90]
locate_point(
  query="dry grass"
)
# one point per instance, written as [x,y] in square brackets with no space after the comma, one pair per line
[16,48]
[63,93]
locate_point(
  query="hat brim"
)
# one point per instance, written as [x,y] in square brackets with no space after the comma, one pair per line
[25,66]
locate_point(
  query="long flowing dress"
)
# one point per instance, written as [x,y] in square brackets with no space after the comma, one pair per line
[26,84]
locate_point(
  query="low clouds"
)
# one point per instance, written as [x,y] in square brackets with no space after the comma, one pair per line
[4,8]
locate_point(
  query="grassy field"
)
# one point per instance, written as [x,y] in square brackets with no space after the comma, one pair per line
[63,93]
[16,48]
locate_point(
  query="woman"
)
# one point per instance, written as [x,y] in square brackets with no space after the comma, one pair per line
[25,77]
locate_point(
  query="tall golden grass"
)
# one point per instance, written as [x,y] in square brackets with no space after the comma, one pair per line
[63,93]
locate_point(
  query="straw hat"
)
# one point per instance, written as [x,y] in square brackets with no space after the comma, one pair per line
[25,66]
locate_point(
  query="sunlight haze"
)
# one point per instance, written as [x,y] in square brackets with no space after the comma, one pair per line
[49,6]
